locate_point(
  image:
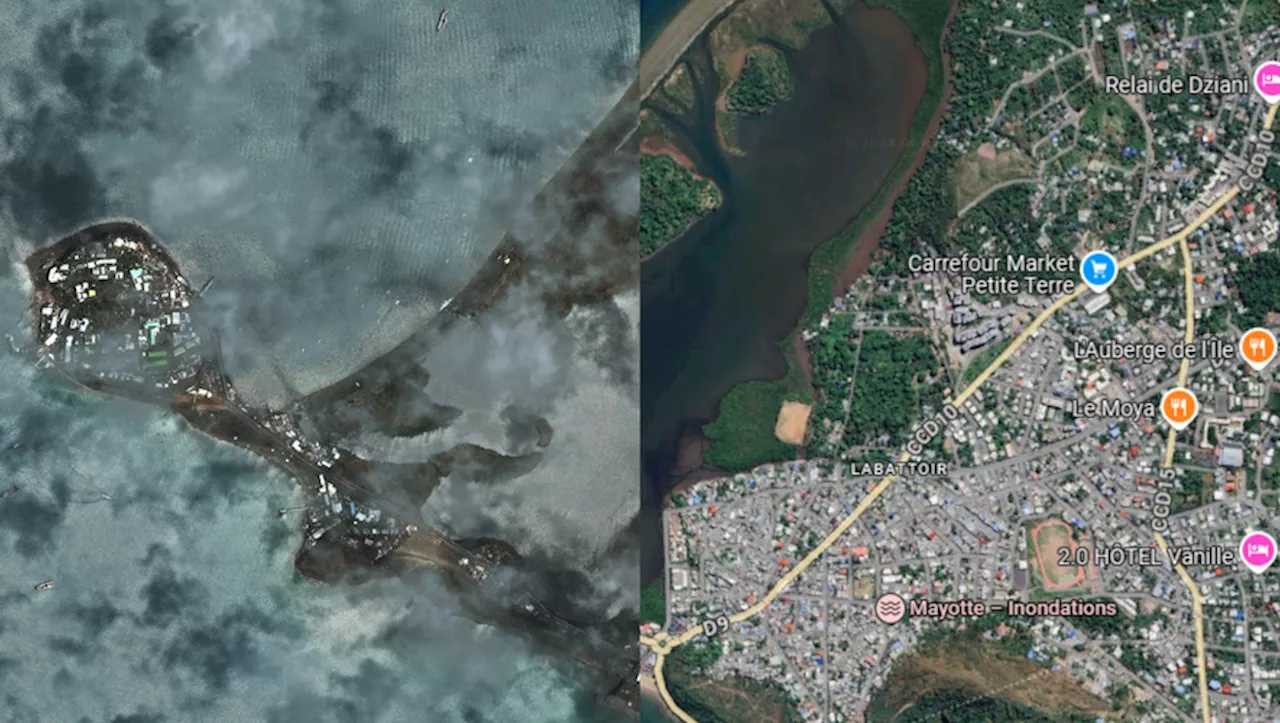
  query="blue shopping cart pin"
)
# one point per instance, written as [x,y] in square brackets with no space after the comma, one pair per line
[1098,271]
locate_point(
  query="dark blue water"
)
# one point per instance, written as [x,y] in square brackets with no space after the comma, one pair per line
[654,15]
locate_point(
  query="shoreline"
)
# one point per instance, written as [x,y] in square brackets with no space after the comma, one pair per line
[511,261]
[867,242]
[655,145]
[847,255]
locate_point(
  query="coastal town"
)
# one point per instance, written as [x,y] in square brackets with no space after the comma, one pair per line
[112,312]
[991,459]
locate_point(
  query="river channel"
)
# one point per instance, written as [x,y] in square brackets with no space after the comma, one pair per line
[717,301]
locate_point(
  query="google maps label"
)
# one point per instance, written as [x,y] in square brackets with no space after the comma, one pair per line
[1258,347]
[1098,271]
[1266,80]
[1258,551]
[1179,407]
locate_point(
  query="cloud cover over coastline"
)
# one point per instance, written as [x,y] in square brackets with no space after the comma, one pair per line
[321,159]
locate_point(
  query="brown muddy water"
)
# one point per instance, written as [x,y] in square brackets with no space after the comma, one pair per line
[717,301]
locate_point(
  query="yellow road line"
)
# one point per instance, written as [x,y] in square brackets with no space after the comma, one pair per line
[662,646]
[1128,261]
[1015,345]
[1197,610]
[1188,337]
[1190,228]
[1271,116]
[1196,607]
[832,538]
[666,695]
[1189,285]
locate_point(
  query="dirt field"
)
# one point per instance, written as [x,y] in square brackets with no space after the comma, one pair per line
[792,420]
[738,704]
[985,672]
[655,145]
[986,168]
[1046,539]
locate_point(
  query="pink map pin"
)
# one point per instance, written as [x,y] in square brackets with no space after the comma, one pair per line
[1258,551]
[1266,80]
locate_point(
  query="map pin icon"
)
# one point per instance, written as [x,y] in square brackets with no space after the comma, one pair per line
[1258,551]
[1258,348]
[1098,271]
[1266,81]
[1179,407]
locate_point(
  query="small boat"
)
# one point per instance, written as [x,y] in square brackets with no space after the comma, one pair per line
[444,18]
[46,585]
[10,491]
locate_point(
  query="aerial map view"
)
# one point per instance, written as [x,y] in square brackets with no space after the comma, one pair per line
[319,397]
[958,320]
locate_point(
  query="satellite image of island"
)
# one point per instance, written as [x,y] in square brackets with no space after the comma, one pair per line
[320,398]
[958,324]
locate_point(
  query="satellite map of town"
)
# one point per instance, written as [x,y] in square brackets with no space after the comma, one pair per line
[958,319]
[319,401]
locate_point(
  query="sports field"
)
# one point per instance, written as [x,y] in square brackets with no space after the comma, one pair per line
[1047,538]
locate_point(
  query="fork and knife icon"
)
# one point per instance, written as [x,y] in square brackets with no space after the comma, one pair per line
[1258,346]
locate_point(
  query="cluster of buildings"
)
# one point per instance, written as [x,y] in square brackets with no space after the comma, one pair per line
[965,537]
[365,531]
[286,426]
[113,310]
[974,326]
[1062,447]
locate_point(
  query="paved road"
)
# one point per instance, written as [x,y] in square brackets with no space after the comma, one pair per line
[675,38]
[663,644]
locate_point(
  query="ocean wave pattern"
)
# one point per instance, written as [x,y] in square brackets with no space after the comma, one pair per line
[320,159]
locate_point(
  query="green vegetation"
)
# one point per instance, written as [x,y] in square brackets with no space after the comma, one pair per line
[1118,125]
[676,92]
[1002,223]
[927,19]
[1119,626]
[1260,15]
[742,433]
[983,360]
[1259,285]
[754,21]
[652,127]
[956,706]
[671,198]
[891,387]
[764,82]
[1271,172]
[696,658]
[975,175]
[978,674]
[754,24]
[727,132]
[737,700]
[653,603]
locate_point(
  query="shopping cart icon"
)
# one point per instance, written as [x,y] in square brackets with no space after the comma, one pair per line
[1098,270]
